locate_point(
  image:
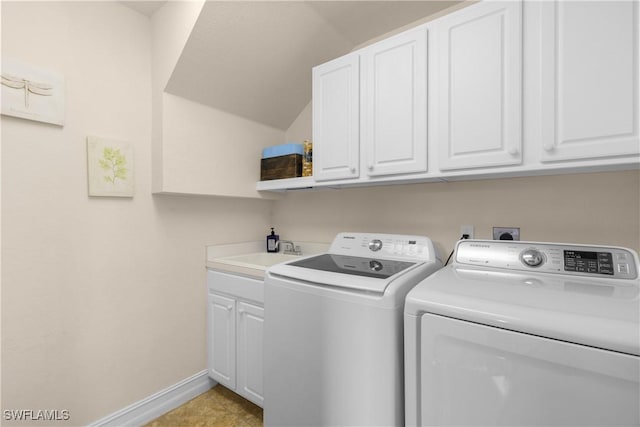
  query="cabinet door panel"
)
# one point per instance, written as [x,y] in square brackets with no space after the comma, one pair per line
[589,78]
[395,100]
[480,86]
[336,112]
[250,355]
[222,339]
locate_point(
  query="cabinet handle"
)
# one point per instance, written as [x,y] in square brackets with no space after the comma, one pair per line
[240,311]
[353,169]
[229,307]
[548,147]
[370,166]
[514,151]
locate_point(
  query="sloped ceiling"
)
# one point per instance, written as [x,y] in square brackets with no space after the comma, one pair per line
[254,58]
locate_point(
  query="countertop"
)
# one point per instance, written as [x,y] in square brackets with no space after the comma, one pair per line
[251,258]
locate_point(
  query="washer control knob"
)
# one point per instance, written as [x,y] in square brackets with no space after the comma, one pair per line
[375,265]
[375,245]
[532,257]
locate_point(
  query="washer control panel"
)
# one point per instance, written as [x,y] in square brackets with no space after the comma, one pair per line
[581,260]
[383,246]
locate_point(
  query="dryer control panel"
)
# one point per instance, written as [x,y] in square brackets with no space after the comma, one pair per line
[581,260]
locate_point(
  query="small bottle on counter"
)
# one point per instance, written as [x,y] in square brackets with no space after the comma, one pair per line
[272,241]
[307,158]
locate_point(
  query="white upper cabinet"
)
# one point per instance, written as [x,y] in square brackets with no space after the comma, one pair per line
[394,100]
[515,88]
[336,119]
[370,110]
[589,104]
[479,86]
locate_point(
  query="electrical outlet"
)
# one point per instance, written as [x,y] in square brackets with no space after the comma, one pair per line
[506,233]
[468,230]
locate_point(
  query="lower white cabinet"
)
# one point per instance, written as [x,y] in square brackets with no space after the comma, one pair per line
[250,332]
[235,334]
[221,331]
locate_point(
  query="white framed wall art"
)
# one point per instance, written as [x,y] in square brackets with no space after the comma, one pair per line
[110,167]
[31,92]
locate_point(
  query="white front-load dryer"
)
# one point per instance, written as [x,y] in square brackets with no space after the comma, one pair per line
[521,333]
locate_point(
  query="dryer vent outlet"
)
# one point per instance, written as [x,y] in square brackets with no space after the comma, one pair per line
[506,233]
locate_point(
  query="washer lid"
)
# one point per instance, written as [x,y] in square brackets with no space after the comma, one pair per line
[356,266]
[367,274]
[595,312]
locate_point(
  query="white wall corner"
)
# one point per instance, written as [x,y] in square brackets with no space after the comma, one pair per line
[301,128]
[171,27]
[159,403]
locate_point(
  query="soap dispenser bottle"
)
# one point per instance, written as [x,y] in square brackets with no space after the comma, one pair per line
[272,242]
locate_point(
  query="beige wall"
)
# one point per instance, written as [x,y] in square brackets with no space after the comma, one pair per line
[300,129]
[103,300]
[198,149]
[208,151]
[598,208]
[170,29]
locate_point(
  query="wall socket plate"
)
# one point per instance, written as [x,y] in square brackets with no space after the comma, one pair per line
[466,229]
[506,233]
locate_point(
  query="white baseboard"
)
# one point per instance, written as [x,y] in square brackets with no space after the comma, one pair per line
[158,403]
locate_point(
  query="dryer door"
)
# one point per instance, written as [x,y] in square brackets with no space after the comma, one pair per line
[472,374]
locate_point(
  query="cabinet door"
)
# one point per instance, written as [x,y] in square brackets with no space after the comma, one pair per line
[336,114]
[479,115]
[250,356]
[589,79]
[394,120]
[221,337]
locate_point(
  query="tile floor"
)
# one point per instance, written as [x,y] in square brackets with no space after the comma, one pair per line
[217,407]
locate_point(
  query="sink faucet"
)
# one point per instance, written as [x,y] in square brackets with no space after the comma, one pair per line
[292,248]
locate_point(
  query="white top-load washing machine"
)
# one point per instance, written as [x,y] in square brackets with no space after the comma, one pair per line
[333,331]
[521,333]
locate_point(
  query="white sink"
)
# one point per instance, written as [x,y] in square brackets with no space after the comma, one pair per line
[260,260]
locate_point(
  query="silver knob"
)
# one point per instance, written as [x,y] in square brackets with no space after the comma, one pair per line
[532,257]
[375,245]
[375,265]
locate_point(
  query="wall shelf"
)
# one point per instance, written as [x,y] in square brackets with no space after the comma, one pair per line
[286,184]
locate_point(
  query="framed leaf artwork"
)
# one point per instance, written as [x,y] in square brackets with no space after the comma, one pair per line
[110,167]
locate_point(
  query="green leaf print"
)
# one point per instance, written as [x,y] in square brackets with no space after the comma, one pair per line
[113,163]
